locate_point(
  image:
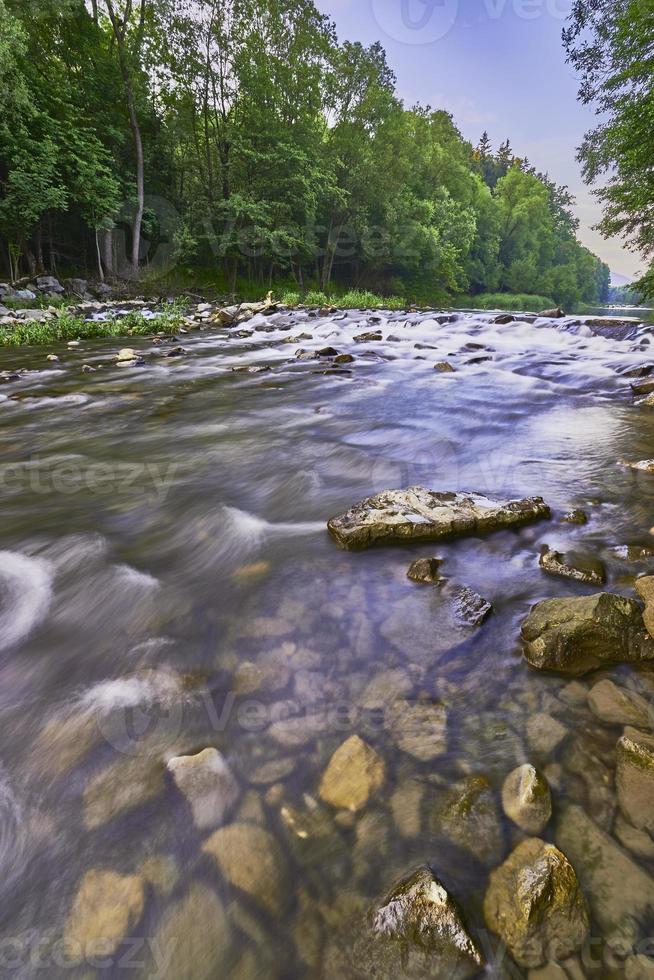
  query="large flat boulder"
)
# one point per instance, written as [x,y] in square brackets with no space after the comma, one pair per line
[418,514]
[574,636]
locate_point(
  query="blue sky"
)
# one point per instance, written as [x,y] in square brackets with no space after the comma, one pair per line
[497,65]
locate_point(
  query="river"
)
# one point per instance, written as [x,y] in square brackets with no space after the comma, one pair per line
[167,584]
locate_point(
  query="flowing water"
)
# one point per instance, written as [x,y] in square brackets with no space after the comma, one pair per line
[167,584]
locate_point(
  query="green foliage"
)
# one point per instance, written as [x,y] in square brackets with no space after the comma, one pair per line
[67,327]
[273,153]
[505,301]
[610,44]
[316,298]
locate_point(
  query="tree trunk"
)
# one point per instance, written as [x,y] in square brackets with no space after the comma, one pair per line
[140,178]
[38,241]
[108,250]
[97,248]
[120,29]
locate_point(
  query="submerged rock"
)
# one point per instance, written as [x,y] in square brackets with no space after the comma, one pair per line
[620,893]
[576,516]
[588,571]
[545,733]
[425,570]
[536,906]
[208,784]
[617,706]
[250,859]
[419,514]
[106,908]
[470,817]
[406,807]
[526,799]
[635,778]
[193,937]
[419,728]
[354,774]
[418,930]
[471,609]
[574,636]
[121,787]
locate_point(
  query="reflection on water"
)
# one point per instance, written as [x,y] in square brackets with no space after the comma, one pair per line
[167,584]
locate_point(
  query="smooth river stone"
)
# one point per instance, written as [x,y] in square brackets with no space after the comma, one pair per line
[354,774]
[208,784]
[106,908]
[635,778]
[419,514]
[250,859]
[526,799]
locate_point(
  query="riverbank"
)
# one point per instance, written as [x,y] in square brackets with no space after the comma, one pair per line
[53,322]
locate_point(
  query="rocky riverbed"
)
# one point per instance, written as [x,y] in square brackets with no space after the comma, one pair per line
[322,659]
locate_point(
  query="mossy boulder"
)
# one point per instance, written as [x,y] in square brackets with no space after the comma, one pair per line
[535,904]
[576,635]
[418,930]
[470,817]
[635,778]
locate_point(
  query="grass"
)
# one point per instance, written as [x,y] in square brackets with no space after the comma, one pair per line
[523,302]
[67,327]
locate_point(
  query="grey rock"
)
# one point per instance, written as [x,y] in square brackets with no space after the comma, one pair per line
[578,569]
[419,728]
[471,608]
[208,784]
[545,733]
[574,636]
[48,284]
[617,706]
[418,514]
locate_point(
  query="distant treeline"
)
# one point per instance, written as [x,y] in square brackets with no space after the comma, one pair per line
[240,136]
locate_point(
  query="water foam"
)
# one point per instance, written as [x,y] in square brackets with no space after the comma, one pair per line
[25,595]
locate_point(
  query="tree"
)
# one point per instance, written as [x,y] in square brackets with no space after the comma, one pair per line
[610,44]
[128,26]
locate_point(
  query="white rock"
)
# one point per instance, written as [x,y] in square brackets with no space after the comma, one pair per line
[208,784]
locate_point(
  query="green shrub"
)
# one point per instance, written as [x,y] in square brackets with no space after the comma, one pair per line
[316,298]
[290,299]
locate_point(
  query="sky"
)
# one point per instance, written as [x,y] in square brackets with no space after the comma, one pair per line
[497,65]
